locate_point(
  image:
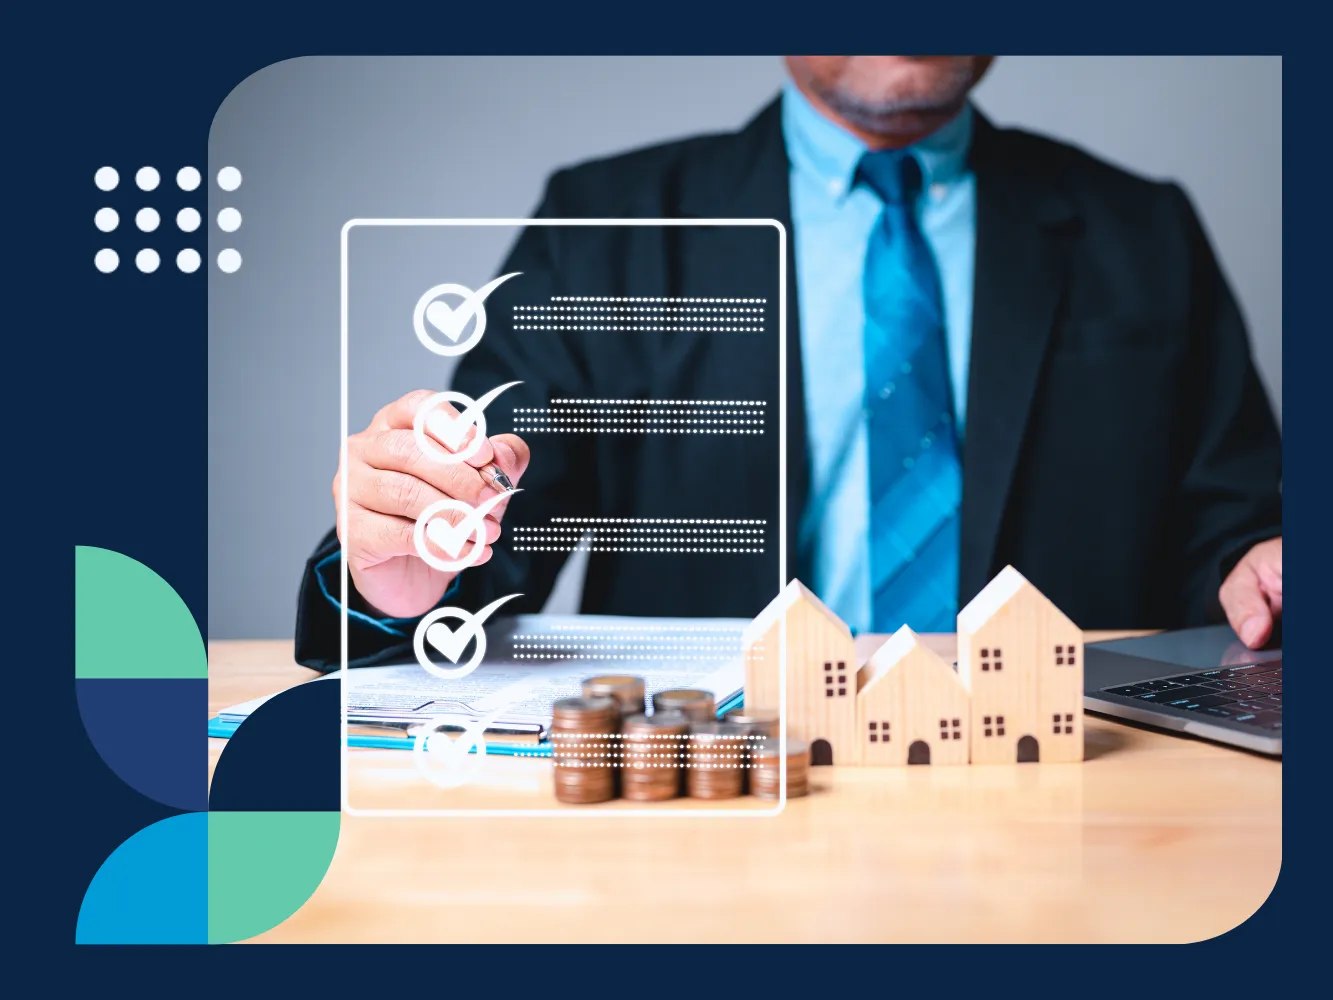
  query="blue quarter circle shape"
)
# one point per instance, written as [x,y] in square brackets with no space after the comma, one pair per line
[153,889]
[286,757]
[148,732]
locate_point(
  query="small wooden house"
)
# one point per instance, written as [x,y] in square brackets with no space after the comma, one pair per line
[1021,660]
[912,708]
[821,673]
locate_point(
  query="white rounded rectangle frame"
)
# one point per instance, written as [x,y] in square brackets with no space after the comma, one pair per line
[782,516]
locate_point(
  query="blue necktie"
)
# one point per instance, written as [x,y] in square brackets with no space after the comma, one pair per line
[916,482]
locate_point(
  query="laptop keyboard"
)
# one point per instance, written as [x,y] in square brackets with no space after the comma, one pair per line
[1251,693]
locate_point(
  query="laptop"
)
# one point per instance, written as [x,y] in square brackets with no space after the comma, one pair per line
[1201,681]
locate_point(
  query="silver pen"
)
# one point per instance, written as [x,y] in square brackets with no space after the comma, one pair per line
[496,478]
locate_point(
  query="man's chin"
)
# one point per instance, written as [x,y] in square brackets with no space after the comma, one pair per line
[899,121]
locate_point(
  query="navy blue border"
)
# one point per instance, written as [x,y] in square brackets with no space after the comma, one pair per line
[107,418]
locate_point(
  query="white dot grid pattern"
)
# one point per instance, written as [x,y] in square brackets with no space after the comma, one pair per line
[618,328]
[731,313]
[641,298]
[188,260]
[106,219]
[147,179]
[229,220]
[106,178]
[644,417]
[187,178]
[147,219]
[106,260]
[147,260]
[692,536]
[229,260]
[188,219]
[657,520]
[709,752]
[592,627]
[697,648]
[229,178]
[663,402]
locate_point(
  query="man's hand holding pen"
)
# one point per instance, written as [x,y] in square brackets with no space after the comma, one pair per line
[390,481]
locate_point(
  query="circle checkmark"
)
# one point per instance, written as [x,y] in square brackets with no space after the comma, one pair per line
[451,319]
[451,538]
[457,640]
[451,430]
[459,765]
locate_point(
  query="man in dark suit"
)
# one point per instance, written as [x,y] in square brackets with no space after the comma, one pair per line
[1000,350]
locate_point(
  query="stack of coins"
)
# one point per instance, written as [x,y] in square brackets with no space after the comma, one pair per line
[697,706]
[585,748]
[627,692]
[716,761]
[654,747]
[765,773]
[755,724]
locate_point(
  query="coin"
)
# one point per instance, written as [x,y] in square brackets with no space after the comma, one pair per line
[626,690]
[654,749]
[765,773]
[586,748]
[716,765]
[698,706]
[755,723]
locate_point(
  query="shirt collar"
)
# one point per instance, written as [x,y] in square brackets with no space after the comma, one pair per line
[829,153]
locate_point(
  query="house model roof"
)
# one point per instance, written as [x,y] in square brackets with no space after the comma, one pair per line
[793,592]
[990,599]
[888,655]
[894,652]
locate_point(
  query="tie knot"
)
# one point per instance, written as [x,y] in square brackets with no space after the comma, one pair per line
[893,174]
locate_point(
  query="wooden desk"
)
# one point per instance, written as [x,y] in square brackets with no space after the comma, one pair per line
[1153,838]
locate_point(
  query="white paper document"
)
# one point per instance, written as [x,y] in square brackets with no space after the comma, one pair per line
[533,660]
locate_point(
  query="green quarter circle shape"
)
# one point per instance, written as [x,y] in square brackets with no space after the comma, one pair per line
[129,622]
[262,867]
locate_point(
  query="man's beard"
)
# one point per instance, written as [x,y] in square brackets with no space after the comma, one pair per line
[908,113]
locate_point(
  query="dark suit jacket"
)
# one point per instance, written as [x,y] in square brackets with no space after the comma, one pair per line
[1120,451]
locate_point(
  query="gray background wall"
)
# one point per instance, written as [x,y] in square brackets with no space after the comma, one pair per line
[321,140]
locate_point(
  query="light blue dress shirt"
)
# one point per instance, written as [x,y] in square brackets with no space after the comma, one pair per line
[832,218]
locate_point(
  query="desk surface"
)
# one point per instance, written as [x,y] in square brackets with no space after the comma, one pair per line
[1153,838]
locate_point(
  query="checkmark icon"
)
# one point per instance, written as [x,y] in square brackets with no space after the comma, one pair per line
[452,320]
[459,758]
[452,537]
[450,642]
[451,430]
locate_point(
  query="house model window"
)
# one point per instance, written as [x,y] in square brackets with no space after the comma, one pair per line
[835,680]
[1007,661]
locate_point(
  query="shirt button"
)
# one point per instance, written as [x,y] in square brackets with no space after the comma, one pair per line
[937,192]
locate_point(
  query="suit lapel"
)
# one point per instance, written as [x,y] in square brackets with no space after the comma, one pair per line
[1020,273]
[748,179]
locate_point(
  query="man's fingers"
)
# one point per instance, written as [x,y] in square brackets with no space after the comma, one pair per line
[402,411]
[511,455]
[389,492]
[442,426]
[1246,606]
[397,451]
[381,537]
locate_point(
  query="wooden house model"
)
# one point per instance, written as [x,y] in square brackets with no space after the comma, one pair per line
[1016,695]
